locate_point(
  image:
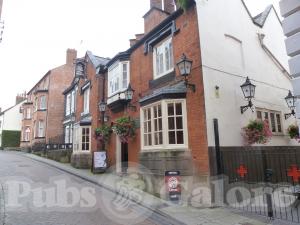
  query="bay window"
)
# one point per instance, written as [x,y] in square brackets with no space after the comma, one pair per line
[43,102]
[68,104]
[163,58]
[41,129]
[118,77]
[164,125]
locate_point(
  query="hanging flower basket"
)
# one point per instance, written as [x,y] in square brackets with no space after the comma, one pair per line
[293,131]
[125,128]
[103,133]
[256,132]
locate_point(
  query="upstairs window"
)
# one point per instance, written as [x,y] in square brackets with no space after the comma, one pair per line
[118,78]
[28,113]
[73,101]
[86,101]
[163,58]
[43,102]
[68,104]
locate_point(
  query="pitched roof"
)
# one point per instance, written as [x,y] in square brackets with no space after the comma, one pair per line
[97,60]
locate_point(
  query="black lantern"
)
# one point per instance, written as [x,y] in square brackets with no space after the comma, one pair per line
[185,66]
[129,93]
[102,106]
[79,70]
[290,101]
[248,90]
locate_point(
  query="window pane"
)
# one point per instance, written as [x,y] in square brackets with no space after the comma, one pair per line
[273,125]
[179,137]
[258,115]
[171,123]
[87,146]
[159,110]
[149,126]
[155,111]
[149,114]
[155,125]
[178,109]
[156,138]
[266,117]
[160,124]
[87,131]
[278,123]
[83,131]
[172,137]
[160,138]
[149,139]
[146,140]
[179,123]
[170,109]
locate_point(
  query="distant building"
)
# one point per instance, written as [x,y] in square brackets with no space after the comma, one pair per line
[10,124]
[44,108]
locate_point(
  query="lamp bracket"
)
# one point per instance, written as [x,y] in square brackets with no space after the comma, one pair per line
[190,86]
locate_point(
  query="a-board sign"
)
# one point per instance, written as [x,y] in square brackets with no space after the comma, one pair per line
[172,181]
[99,161]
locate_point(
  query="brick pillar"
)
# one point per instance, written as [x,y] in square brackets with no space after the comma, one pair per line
[71,56]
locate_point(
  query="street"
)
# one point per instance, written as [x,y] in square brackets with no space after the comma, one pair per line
[27,186]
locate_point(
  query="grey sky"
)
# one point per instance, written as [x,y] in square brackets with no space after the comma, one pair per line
[38,32]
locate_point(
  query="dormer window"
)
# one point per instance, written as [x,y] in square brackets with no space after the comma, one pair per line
[118,78]
[163,58]
[79,70]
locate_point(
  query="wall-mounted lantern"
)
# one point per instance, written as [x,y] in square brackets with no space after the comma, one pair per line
[128,96]
[290,101]
[102,106]
[248,90]
[185,66]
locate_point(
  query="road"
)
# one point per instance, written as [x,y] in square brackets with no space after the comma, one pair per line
[33,193]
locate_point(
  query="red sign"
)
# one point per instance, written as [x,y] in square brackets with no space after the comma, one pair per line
[242,171]
[294,172]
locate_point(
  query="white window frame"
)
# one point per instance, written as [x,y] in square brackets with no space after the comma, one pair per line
[28,113]
[162,45]
[164,109]
[41,128]
[27,134]
[116,76]
[68,104]
[86,101]
[73,102]
[77,138]
[43,104]
[263,111]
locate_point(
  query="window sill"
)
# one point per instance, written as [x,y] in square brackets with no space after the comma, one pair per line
[168,149]
[42,110]
[166,78]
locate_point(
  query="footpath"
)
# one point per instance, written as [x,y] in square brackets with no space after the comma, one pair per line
[181,213]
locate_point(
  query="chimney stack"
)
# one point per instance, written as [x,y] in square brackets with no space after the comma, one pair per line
[20,98]
[71,56]
[168,6]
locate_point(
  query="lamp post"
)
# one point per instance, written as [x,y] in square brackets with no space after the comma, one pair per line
[185,66]
[248,90]
[290,101]
[102,109]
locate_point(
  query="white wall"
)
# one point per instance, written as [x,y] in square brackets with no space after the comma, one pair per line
[219,21]
[12,119]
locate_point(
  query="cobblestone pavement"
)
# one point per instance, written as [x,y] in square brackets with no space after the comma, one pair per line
[18,168]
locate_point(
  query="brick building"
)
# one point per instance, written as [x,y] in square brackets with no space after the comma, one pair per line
[43,111]
[170,117]
[81,114]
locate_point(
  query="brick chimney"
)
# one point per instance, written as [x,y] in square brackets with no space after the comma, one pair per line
[71,56]
[20,98]
[159,10]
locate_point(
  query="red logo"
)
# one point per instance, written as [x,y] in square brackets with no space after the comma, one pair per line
[242,171]
[294,172]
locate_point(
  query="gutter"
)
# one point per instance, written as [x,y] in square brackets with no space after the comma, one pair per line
[261,37]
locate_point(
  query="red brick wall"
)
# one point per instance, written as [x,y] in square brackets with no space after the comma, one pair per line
[141,71]
[153,18]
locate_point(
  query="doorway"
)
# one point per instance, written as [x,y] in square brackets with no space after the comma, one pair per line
[124,157]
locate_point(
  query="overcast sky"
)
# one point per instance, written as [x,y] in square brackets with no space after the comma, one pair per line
[38,32]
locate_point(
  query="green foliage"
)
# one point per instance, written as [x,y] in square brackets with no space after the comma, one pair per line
[11,138]
[125,128]
[293,131]
[184,4]
[103,133]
